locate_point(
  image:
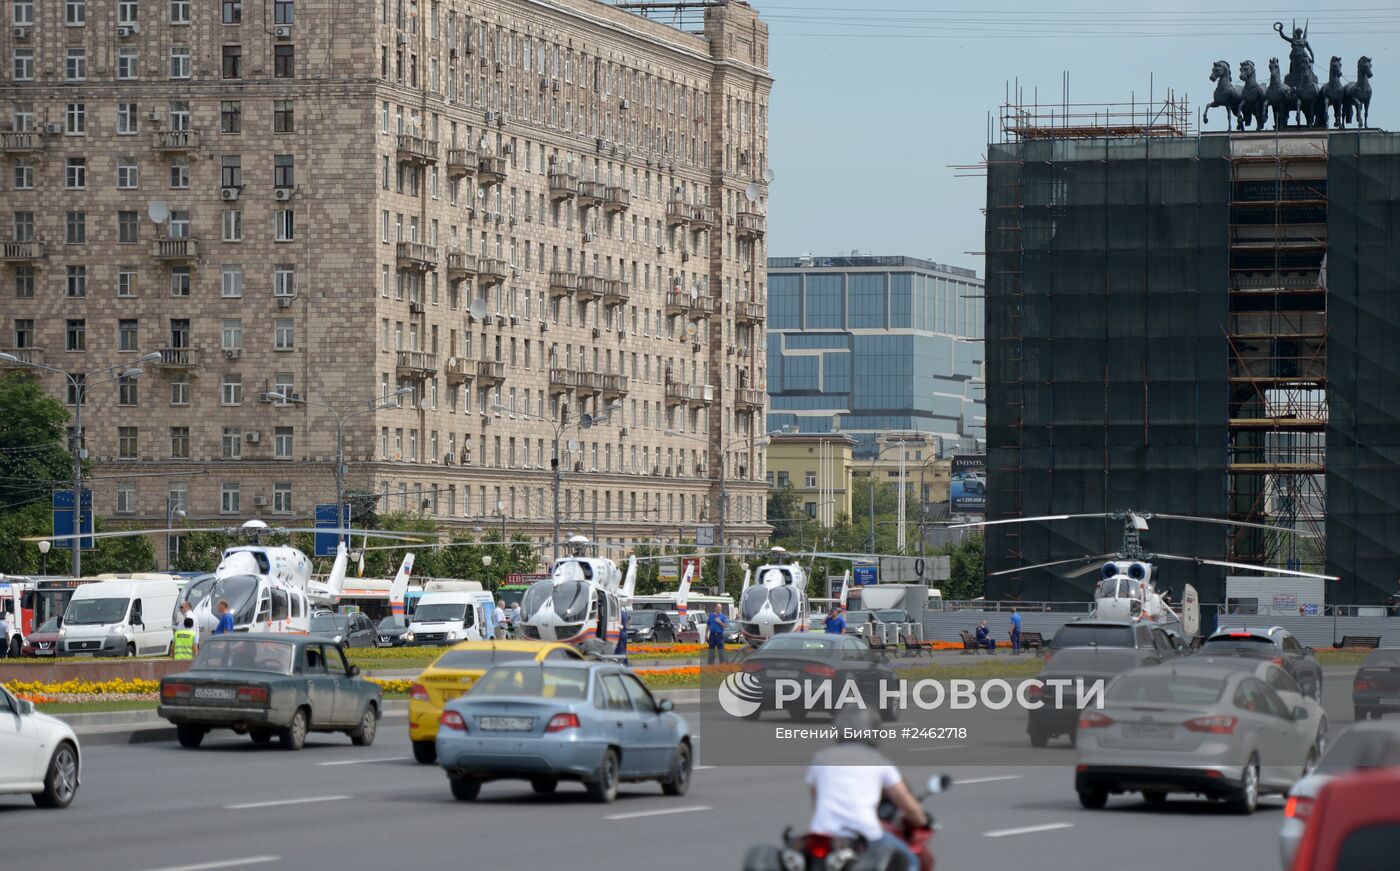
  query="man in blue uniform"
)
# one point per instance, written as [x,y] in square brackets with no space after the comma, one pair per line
[714,635]
[835,623]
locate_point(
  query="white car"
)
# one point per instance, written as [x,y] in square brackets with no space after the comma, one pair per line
[1280,682]
[1364,745]
[38,754]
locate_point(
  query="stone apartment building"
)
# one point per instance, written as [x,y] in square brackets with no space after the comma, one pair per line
[310,198]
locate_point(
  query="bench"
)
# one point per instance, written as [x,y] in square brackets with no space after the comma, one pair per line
[912,646]
[1359,642]
[1032,641]
[970,644]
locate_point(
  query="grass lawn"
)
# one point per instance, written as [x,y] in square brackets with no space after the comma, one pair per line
[58,708]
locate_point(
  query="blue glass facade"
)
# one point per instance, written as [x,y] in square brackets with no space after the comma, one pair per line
[865,345]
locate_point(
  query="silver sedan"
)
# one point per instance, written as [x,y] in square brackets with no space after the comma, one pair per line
[1188,729]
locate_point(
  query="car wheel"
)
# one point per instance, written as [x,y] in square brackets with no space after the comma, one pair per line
[425,752]
[1093,799]
[544,785]
[189,736]
[1247,798]
[1154,796]
[678,782]
[465,788]
[1039,739]
[603,787]
[1320,745]
[363,735]
[294,736]
[261,737]
[61,782]
[131,650]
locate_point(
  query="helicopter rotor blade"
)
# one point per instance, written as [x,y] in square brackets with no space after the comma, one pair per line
[1246,566]
[1223,522]
[982,523]
[1060,562]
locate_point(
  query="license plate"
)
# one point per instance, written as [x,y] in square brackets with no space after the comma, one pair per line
[213,693]
[1148,730]
[1389,701]
[507,724]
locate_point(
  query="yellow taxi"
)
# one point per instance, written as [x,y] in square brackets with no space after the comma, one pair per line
[453,673]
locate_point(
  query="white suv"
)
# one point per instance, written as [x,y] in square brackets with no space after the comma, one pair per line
[38,754]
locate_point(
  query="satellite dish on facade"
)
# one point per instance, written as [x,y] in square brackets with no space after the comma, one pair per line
[484,142]
[768,173]
[585,420]
[690,330]
[478,309]
[158,211]
[694,293]
[751,192]
[481,194]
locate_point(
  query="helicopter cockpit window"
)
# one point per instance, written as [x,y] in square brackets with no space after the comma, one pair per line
[571,600]
[279,605]
[241,593]
[535,597]
[752,602]
[1109,588]
[784,601]
[197,591]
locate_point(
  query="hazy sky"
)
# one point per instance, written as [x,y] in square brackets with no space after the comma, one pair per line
[874,101]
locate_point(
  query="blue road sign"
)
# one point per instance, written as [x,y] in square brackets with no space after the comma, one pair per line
[326,519]
[63,518]
[863,575]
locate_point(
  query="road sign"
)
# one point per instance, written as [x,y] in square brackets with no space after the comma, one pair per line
[668,570]
[63,518]
[705,536]
[862,575]
[326,519]
[686,562]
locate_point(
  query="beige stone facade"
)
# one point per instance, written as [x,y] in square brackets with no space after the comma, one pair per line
[308,197]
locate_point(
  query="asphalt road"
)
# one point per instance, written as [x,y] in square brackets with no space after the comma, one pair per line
[230,804]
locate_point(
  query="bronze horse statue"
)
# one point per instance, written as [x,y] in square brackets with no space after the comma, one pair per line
[1310,102]
[1334,94]
[1226,95]
[1357,95]
[1253,104]
[1282,99]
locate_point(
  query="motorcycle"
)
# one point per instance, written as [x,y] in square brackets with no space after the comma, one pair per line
[813,851]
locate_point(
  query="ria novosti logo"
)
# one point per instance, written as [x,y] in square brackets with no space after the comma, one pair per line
[742,695]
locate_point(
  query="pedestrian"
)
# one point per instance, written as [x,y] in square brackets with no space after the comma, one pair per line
[515,617]
[498,617]
[1015,632]
[6,628]
[1395,600]
[984,637]
[488,622]
[186,643]
[225,626]
[835,623]
[186,611]
[621,648]
[715,629]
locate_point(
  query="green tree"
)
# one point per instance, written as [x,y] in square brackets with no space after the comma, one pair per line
[33,459]
[967,574]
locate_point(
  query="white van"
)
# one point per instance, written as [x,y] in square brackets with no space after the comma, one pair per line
[119,618]
[449,617]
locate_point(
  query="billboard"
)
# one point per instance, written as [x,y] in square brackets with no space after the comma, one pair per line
[967,492]
[326,519]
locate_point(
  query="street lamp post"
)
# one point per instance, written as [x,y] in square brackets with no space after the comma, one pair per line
[486,569]
[44,547]
[341,415]
[172,510]
[879,452]
[79,385]
[723,451]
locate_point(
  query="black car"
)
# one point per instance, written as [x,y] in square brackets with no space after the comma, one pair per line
[1058,713]
[1274,643]
[392,631]
[1114,633]
[1376,688]
[814,660]
[347,630]
[657,626]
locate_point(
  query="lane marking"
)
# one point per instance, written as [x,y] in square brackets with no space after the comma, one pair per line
[365,761]
[675,810]
[937,747]
[973,780]
[312,800]
[226,863]
[1027,830]
[702,767]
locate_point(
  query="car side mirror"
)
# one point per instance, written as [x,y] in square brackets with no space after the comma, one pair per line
[665,706]
[1300,713]
[26,707]
[354,671]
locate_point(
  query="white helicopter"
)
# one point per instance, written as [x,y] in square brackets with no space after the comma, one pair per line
[776,602]
[1127,587]
[581,601]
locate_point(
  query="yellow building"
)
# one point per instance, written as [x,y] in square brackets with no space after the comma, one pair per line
[926,477]
[817,466]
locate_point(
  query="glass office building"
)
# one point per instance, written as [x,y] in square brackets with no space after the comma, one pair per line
[867,345]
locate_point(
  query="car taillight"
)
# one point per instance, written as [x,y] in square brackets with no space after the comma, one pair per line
[252,694]
[452,720]
[1212,725]
[1278,660]
[1034,692]
[1362,686]
[819,670]
[751,667]
[561,722]
[175,691]
[1094,720]
[418,693]
[1048,654]
[1298,807]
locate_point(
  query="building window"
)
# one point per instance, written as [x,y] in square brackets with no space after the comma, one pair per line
[126,497]
[284,334]
[180,173]
[127,334]
[126,284]
[23,11]
[75,389]
[24,333]
[75,228]
[179,11]
[76,335]
[22,174]
[284,280]
[283,61]
[179,115]
[233,11]
[180,395]
[180,61]
[810,479]
[229,502]
[75,174]
[232,286]
[180,281]
[24,282]
[282,497]
[75,119]
[232,334]
[128,228]
[232,443]
[231,171]
[230,116]
[283,171]
[231,390]
[283,118]
[233,225]
[76,282]
[285,384]
[127,68]
[282,443]
[75,12]
[283,12]
[180,224]
[127,122]
[24,226]
[126,443]
[128,176]
[284,224]
[127,392]
[233,61]
[179,443]
[23,65]
[75,65]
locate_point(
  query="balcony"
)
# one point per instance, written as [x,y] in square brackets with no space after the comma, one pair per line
[590,193]
[562,380]
[490,171]
[460,265]
[490,372]
[562,284]
[748,312]
[21,141]
[25,355]
[677,213]
[418,150]
[176,141]
[612,384]
[617,199]
[22,252]
[590,287]
[174,250]
[616,291]
[562,186]
[702,218]
[459,370]
[417,256]
[490,270]
[677,393]
[415,364]
[750,225]
[748,399]
[176,359]
[677,302]
[462,161]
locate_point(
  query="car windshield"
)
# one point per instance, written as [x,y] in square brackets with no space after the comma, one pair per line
[891,615]
[1169,687]
[241,593]
[451,612]
[571,600]
[644,618]
[1094,636]
[244,654]
[327,623]
[1238,644]
[90,612]
[389,624]
[1361,748]
[1382,658]
[49,625]
[857,616]
[752,602]
[533,681]
[480,660]
[798,642]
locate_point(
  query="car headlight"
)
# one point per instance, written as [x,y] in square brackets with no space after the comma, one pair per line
[63,633]
[337,639]
[408,636]
[451,634]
